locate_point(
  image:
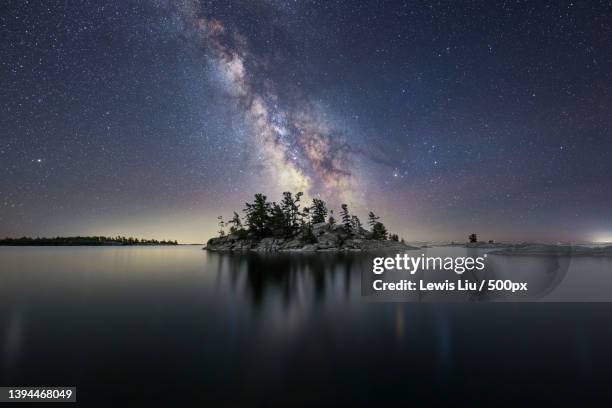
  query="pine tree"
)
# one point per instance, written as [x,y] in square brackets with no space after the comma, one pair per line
[258,215]
[291,210]
[379,231]
[221,226]
[332,220]
[373,219]
[356,223]
[278,222]
[319,211]
[346,219]
[305,215]
[236,224]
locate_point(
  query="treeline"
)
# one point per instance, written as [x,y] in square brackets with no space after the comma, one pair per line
[100,240]
[288,218]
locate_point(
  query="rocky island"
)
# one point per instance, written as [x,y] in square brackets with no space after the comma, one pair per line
[285,226]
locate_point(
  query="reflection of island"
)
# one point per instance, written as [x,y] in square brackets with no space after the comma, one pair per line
[297,277]
[77,241]
[289,227]
[289,276]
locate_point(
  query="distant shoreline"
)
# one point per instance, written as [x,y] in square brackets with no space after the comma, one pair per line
[85,241]
[95,245]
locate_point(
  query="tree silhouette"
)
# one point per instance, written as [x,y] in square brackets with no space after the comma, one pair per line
[221,226]
[356,223]
[379,231]
[287,219]
[291,210]
[332,220]
[258,215]
[372,219]
[236,227]
[305,216]
[277,223]
[473,238]
[319,211]
[346,219]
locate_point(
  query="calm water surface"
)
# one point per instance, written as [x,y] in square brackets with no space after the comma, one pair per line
[178,325]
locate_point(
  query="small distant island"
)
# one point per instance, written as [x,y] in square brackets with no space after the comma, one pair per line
[286,226]
[78,241]
[537,249]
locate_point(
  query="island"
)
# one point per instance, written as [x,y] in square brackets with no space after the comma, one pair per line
[83,241]
[286,226]
[538,249]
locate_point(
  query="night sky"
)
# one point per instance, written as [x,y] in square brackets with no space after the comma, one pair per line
[151,118]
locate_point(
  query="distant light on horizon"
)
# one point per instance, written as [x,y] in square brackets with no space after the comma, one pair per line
[603,238]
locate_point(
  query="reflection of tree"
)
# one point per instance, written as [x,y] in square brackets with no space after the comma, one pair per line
[286,274]
[291,277]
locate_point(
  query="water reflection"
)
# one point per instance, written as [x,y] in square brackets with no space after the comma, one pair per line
[261,274]
[311,275]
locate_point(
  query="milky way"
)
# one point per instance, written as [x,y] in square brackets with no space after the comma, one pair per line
[294,146]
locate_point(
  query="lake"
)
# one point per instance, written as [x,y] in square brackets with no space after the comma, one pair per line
[182,326]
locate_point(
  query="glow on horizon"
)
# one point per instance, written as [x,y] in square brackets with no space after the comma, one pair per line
[603,238]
